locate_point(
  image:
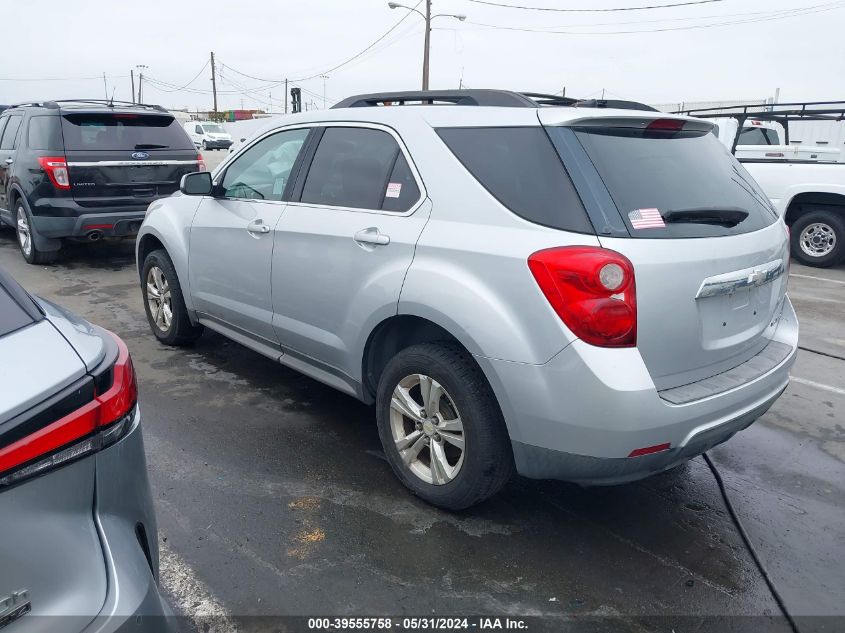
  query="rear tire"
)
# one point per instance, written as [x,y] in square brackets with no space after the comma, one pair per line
[818,238]
[458,453]
[27,238]
[164,303]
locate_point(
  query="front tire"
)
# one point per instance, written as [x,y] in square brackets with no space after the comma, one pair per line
[204,146]
[27,240]
[441,427]
[164,303]
[818,238]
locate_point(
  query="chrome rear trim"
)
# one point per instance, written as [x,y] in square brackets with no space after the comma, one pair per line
[728,283]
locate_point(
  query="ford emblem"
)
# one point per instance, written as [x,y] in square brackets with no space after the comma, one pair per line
[140,155]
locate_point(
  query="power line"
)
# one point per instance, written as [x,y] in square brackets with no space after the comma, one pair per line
[98,77]
[503,5]
[779,15]
[179,89]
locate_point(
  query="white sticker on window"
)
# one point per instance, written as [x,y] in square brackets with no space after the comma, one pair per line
[393,190]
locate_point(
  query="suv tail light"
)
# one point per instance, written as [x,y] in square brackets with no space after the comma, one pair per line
[201,163]
[91,427]
[592,290]
[56,168]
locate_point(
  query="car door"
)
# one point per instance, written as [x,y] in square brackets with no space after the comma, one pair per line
[7,156]
[231,240]
[344,244]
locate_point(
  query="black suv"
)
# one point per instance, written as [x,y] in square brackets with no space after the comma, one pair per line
[86,169]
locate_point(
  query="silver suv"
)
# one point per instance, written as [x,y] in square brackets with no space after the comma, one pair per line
[586,291]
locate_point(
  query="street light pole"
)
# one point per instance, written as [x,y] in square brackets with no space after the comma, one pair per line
[427,45]
[324,77]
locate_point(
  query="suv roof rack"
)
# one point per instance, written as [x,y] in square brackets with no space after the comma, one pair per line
[482,97]
[110,103]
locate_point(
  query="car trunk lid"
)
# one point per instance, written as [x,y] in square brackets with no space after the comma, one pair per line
[708,252]
[118,159]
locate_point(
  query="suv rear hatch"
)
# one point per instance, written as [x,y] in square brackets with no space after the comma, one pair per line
[709,254]
[125,158]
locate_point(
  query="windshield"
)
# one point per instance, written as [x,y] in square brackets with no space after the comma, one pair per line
[117,131]
[214,129]
[687,177]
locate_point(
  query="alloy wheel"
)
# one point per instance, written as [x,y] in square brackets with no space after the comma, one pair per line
[159,299]
[427,429]
[817,239]
[24,232]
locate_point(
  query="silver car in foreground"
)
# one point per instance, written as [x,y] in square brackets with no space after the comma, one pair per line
[587,291]
[79,549]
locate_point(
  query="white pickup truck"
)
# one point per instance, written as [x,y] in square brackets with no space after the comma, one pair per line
[805,183]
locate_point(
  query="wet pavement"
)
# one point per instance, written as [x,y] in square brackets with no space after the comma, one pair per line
[273,495]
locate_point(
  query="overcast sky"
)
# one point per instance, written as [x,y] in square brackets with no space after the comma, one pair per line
[747,58]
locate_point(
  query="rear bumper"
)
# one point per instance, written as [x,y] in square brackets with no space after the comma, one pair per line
[579,416]
[107,223]
[216,144]
[128,532]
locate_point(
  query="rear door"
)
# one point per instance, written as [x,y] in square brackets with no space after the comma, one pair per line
[708,252]
[231,243]
[345,242]
[8,143]
[118,159]
[51,558]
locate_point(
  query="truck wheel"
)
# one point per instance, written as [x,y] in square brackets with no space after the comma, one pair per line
[818,238]
[27,240]
[441,427]
[163,302]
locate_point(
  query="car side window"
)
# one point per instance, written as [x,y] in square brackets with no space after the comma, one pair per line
[10,134]
[354,167]
[262,171]
[3,125]
[44,133]
[198,129]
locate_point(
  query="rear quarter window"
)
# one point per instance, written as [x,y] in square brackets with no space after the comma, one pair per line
[521,169]
[10,133]
[44,133]
[123,131]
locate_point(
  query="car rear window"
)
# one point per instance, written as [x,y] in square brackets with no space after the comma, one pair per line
[122,131]
[44,133]
[689,171]
[521,169]
[757,136]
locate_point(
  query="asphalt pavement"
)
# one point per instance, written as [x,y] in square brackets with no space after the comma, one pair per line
[273,495]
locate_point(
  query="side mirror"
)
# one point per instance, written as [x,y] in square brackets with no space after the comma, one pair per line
[197,183]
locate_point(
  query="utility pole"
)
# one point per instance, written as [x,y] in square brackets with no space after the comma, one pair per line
[427,45]
[286,95]
[105,86]
[132,75]
[213,82]
[141,87]
[324,90]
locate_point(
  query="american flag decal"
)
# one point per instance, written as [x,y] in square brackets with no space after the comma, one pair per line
[646,219]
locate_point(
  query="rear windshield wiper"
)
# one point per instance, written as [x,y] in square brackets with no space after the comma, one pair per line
[706,215]
[150,146]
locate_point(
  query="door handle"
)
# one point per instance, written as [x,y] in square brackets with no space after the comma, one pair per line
[258,227]
[371,235]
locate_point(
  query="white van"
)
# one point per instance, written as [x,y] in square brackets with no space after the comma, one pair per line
[207,135]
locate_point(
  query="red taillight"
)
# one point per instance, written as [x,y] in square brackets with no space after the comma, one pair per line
[56,168]
[201,163]
[650,450]
[592,290]
[667,125]
[94,425]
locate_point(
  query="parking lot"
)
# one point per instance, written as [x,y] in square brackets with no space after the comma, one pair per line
[273,496]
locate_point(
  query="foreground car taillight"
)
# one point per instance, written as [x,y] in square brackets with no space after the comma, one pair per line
[56,168]
[95,425]
[201,163]
[592,290]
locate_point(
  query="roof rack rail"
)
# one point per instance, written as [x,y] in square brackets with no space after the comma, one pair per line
[809,110]
[483,97]
[57,103]
[37,104]
[474,97]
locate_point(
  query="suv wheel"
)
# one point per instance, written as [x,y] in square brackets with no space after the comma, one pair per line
[204,146]
[163,302]
[441,427]
[818,238]
[26,239]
